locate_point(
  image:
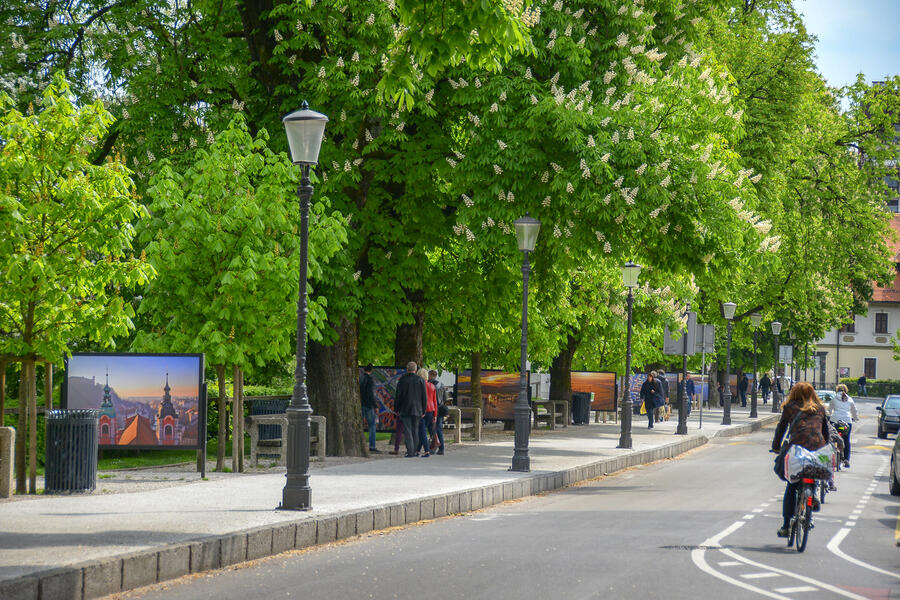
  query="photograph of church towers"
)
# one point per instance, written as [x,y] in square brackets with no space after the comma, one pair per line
[144,400]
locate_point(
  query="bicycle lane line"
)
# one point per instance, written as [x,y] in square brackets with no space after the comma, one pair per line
[835,542]
[698,556]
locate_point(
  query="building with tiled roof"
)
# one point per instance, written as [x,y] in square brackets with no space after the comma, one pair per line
[865,347]
[138,432]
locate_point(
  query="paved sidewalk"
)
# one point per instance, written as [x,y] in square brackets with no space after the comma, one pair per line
[87,546]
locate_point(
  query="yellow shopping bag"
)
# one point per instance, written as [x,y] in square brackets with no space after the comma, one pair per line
[643,408]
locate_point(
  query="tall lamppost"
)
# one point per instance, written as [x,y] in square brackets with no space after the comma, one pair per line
[305,129]
[755,320]
[727,312]
[792,337]
[776,331]
[526,233]
[630,272]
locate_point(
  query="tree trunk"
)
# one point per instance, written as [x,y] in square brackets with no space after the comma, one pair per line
[408,341]
[476,380]
[32,427]
[237,426]
[21,430]
[561,371]
[713,384]
[2,392]
[223,424]
[333,379]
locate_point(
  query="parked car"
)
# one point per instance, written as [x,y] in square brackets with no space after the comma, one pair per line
[889,416]
[894,479]
[826,396]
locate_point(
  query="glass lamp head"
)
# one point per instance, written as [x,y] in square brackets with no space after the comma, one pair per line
[728,309]
[776,327]
[305,129]
[630,273]
[526,232]
[755,320]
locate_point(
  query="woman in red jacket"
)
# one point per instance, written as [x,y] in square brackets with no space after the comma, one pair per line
[426,425]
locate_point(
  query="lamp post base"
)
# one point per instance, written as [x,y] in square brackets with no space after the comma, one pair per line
[296,494]
[296,498]
[521,464]
[726,403]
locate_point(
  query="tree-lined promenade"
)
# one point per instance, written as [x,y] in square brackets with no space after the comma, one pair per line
[146,197]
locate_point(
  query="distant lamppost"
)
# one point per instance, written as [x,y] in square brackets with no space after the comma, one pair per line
[630,272]
[776,331]
[794,373]
[526,233]
[727,312]
[755,320]
[305,129]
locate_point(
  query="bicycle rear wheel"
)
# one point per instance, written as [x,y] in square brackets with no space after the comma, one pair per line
[804,518]
[823,489]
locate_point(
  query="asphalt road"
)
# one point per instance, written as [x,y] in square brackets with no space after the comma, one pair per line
[701,526]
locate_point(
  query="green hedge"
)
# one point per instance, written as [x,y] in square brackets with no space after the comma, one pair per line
[877,388]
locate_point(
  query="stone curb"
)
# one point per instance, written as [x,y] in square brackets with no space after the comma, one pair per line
[761,422]
[106,576]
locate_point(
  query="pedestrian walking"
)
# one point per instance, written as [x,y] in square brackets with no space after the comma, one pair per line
[426,425]
[691,392]
[369,404]
[765,385]
[411,401]
[440,394]
[662,409]
[861,384]
[742,389]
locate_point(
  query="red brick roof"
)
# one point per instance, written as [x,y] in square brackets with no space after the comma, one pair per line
[891,293]
[138,432]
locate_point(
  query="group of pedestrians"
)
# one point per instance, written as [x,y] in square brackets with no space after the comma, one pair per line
[655,397]
[420,405]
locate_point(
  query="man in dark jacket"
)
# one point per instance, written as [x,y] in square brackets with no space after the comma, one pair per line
[742,389]
[410,403]
[369,404]
[650,394]
[765,384]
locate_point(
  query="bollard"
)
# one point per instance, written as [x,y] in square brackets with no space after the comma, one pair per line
[72,441]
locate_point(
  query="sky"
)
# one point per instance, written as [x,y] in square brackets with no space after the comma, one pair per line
[140,376]
[854,36]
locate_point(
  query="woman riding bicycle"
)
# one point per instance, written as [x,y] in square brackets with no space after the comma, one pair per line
[809,431]
[843,408]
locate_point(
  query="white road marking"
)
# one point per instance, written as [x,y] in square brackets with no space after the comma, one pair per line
[757,510]
[834,547]
[760,575]
[730,563]
[849,524]
[794,590]
[803,578]
[748,517]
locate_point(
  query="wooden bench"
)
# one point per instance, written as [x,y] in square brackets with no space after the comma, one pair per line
[556,410]
[455,418]
[277,448]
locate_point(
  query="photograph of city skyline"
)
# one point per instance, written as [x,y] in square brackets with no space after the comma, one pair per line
[144,400]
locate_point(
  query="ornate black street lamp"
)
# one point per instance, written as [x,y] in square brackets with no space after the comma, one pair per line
[526,233]
[755,320]
[727,312]
[776,331]
[305,130]
[630,273]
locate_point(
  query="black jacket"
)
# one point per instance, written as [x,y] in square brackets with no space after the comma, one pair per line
[411,398]
[367,391]
[663,386]
[765,383]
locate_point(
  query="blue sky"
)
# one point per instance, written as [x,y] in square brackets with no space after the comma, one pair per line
[854,36]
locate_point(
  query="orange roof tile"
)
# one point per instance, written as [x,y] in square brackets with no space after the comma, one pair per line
[138,432]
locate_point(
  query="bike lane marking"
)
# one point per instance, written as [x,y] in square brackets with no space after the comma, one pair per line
[835,542]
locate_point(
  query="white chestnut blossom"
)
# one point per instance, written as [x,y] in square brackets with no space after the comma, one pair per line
[546,202]
[498,170]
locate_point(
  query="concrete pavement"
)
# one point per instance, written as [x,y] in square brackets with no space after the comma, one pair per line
[87,546]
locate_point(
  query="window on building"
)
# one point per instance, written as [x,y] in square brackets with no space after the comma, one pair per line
[869,367]
[881,323]
[849,327]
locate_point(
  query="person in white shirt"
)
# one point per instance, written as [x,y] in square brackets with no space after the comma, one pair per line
[843,408]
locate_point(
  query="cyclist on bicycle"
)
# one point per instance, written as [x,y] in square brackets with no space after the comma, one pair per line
[843,408]
[810,431]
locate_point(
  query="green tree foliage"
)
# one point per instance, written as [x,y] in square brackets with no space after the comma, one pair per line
[65,241]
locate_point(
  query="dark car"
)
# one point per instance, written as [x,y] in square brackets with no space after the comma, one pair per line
[889,416]
[894,478]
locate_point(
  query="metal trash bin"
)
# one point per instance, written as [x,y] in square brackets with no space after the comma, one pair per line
[269,407]
[581,408]
[72,442]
